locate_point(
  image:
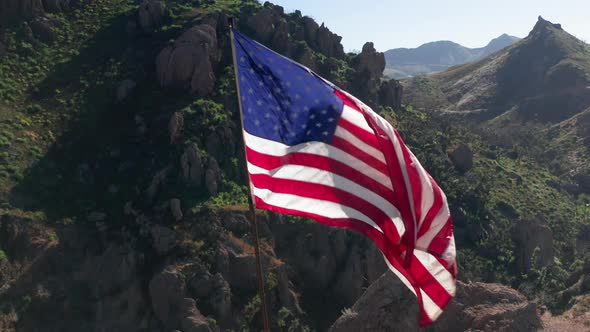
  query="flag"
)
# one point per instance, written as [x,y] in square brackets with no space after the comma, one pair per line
[316,151]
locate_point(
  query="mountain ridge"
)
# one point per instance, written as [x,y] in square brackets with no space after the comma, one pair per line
[437,56]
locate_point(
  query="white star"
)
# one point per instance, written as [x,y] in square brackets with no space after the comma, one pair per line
[251,53]
[269,95]
[297,96]
[325,133]
[276,128]
[309,132]
[331,120]
[242,78]
[242,59]
[305,108]
[312,116]
[295,115]
[303,126]
[269,59]
[267,115]
[259,102]
[260,66]
[251,70]
[285,121]
[307,89]
[257,123]
[288,83]
[280,71]
[318,124]
[292,134]
[260,83]
[299,77]
[250,91]
[324,112]
[317,101]
[249,109]
[278,90]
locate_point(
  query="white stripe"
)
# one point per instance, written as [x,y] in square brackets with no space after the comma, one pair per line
[347,135]
[432,309]
[437,270]
[317,176]
[273,148]
[439,221]
[311,205]
[351,115]
[427,191]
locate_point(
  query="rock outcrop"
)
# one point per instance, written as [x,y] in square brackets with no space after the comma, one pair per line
[462,158]
[388,305]
[150,15]
[189,62]
[534,243]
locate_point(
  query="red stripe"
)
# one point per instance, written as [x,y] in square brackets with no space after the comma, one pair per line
[331,194]
[437,204]
[368,159]
[415,183]
[360,133]
[441,241]
[269,162]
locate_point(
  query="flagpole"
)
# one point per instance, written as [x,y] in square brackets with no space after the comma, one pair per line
[253,222]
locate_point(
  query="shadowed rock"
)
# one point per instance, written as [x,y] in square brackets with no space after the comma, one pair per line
[189,61]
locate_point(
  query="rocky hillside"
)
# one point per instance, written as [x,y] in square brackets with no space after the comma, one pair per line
[122,196]
[437,56]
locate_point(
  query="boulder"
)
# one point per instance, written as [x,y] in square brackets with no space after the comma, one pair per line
[43,30]
[220,299]
[388,305]
[175,209]
[349,285]
[262,23]
[190,60]
[167,289]
[390,94]
[124,89]
[156,183]
[370,61]
[462,158]
[56,6]
[150,15]
[212,176]
[175,126]
[534,245]
[192,165]
[163,239]
[328,43]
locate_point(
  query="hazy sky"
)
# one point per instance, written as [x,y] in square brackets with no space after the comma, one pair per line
[410,23]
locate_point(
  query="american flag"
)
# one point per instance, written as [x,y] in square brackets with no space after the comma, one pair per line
[316,151]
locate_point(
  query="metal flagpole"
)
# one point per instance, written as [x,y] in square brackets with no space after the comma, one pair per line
[253,222]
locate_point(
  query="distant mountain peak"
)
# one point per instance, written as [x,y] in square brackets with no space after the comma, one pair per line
[439,55]
[543,26]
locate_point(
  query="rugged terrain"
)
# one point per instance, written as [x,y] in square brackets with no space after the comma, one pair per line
[437,56]
[123,198]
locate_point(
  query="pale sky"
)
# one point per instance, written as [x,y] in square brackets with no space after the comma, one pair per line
[410,23]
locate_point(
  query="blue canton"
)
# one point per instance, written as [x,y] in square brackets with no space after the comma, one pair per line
[282,100]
